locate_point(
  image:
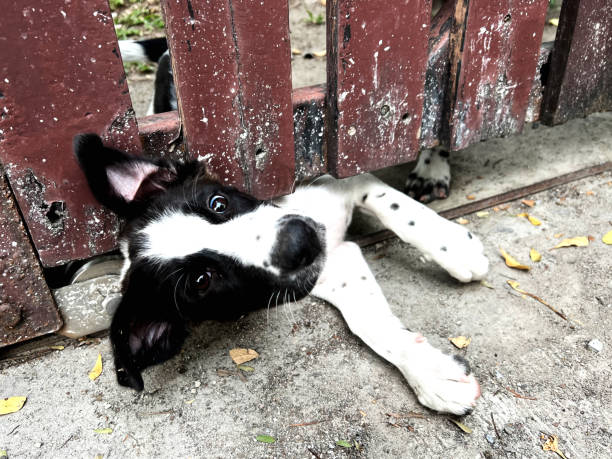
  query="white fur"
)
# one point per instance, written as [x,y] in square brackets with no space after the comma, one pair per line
[248,238]
[436,170]
[131,51]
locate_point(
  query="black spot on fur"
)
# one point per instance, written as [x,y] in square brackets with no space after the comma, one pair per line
[363,278]
[381,195]
[365,196]
[443,153]
[427,161]
[469,235]
[443,249]
[266,264]
[343,284]
[411,223]
[394,206]
[258,237]
[464,363]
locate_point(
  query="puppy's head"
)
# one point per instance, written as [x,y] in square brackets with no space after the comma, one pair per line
[195,250]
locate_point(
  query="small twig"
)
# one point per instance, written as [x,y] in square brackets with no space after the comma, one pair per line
[314,453]
[495,426]
[517,395]
[155,413]
[14,429]
[66,442]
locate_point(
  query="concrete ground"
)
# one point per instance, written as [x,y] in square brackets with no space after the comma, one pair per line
[315,384]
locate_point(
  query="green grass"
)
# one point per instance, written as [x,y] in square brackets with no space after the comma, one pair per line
[138,67]
[319,19]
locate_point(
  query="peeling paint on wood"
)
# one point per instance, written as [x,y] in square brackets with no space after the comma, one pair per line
[232,67]
[495,48]
[580,77]
[376,72]
[27,309]
[61,74]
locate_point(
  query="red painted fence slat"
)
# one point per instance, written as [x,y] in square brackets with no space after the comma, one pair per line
[494,54]
[377,56]
[27,309]
[232,67]
[60,74]
[580,76]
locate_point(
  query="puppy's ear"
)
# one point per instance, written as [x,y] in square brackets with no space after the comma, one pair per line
[120,181]
[146,330]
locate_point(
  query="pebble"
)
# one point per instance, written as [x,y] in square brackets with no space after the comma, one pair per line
[491,438]
[595,345]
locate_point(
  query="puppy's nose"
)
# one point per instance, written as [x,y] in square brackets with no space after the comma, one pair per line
[297,245]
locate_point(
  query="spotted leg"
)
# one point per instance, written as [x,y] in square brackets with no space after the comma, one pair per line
[450,245]
[430,179]
[440,381]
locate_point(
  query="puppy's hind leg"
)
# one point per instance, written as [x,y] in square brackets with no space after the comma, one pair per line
[441,382]
[431,177]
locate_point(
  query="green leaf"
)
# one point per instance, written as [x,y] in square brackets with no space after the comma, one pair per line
[246,368]
[106,430]
[265,439]
[344,444]
[3,453]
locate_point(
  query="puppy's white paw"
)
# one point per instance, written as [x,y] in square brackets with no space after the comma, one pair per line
[459,252]
[430,179]
[442,382]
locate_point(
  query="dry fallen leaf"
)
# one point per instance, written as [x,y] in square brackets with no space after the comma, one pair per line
[554,22]
[240,356]
[462,426]
[461,342]
[515,285]
[504,207]
[607,238]
[57,348]
[512,262]
[534,255]
[578,241]
[558,235]
[11,404]
[552,444]
[534,221]
[482,214]
[97,369]
[462,221]
[528,202]
[319,53]
[471,197]
[590,193]
[296,52]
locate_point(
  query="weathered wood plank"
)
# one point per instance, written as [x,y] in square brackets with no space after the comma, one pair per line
[231,64]
[377,56]
[60,74]
[580,77]
[27,309]
[495,48]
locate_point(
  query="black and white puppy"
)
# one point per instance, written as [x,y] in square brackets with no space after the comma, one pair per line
[429,180]
[195,249]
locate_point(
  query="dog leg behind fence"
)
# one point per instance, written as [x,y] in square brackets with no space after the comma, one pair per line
[450,245]
[441,382]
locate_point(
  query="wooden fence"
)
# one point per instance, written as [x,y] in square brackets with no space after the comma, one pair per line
[397,81]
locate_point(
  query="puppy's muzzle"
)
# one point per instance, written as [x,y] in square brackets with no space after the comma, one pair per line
[298,244]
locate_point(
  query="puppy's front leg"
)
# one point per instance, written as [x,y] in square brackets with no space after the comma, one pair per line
[450,245]
[441,382]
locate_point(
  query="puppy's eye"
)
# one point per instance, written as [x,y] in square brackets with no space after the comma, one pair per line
[202,281]
[218,203]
